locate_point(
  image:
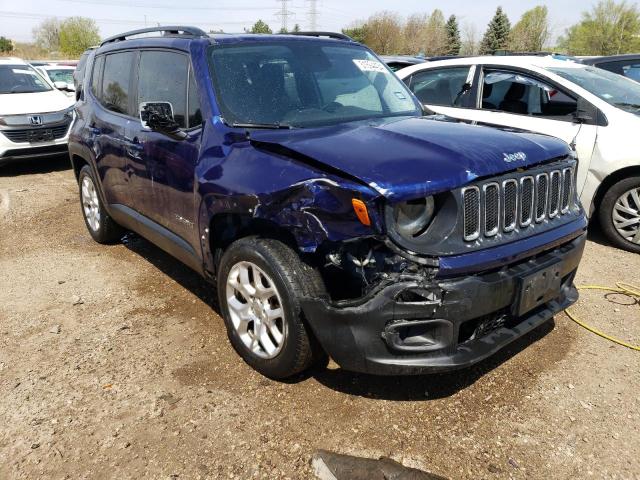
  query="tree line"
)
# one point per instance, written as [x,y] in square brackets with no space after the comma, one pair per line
[609,28]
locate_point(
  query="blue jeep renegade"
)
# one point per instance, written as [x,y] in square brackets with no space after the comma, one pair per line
[297,174]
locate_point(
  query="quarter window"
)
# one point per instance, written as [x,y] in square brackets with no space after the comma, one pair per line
[445,87]
[163,78]
[116,80]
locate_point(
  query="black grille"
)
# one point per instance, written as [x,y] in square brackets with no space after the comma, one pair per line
[34,135]
[527,201]
[471,197]
[35,151]
[510,205]
[542,192]
[491,209]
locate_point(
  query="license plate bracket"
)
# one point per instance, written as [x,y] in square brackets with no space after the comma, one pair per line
[538,288]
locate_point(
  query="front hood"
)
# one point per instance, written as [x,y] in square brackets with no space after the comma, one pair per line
[39,102]
[416,156]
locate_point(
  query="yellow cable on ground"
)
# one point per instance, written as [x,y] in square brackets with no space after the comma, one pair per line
[623,288]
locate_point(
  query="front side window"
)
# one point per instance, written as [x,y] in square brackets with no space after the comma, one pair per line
[303,84]
[163,78]
[514,92]
[610,87]
[444,87]
[116,80]
[21,79]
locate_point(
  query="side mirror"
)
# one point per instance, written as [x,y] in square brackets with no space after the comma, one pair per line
[60,85]
[158,116]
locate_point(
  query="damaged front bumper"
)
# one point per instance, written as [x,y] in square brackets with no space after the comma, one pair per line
[418,325]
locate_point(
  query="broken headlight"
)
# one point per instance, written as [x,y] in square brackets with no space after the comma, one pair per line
[412,218]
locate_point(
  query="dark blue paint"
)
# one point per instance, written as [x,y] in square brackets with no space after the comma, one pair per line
[219,171]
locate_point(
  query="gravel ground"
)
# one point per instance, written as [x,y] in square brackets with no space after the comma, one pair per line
[114,365]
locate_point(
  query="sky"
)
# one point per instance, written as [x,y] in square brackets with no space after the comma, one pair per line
[18,18]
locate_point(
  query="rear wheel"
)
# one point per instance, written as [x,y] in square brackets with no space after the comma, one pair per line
[102,228]
[620,214]
[260,282]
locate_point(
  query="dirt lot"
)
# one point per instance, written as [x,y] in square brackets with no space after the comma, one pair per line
[114,365]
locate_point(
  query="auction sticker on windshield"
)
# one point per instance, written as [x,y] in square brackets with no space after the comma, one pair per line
[370,66]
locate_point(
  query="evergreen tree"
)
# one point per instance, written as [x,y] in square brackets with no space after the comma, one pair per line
[296,28]
[453,36]
[497,34]
[260,27]
[357,33]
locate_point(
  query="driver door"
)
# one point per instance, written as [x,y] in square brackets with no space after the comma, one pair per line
[163,167]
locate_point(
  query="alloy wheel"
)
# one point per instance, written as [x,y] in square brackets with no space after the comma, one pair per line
[90,203]
[256,311]
[626,215]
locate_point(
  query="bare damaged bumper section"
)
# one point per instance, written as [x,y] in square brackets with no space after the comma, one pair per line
[418,325]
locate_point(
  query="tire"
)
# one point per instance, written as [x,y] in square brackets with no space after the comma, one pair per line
[619,214]
[102,228]
[277,346]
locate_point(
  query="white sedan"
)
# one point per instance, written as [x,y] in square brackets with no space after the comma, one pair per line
[596,111]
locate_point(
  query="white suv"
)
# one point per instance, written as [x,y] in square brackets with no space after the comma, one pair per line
[35,118]
[596,111]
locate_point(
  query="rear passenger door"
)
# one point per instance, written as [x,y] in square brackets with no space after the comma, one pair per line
[163,167]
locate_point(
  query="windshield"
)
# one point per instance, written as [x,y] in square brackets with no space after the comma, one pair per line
[302,84]
[610,87]
[62,75]
[21,79]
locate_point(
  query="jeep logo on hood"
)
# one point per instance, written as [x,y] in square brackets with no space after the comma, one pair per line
[515,157]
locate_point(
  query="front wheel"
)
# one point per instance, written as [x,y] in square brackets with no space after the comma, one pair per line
[620,214]
[260,282]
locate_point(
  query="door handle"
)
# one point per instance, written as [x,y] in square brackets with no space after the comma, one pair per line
[133,147]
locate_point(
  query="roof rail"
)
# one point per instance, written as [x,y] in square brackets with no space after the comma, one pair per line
[337,36]
[172,30]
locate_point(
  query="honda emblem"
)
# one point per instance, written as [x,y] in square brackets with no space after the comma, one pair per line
[35,120]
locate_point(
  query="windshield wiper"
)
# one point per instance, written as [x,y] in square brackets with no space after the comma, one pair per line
[271,126]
